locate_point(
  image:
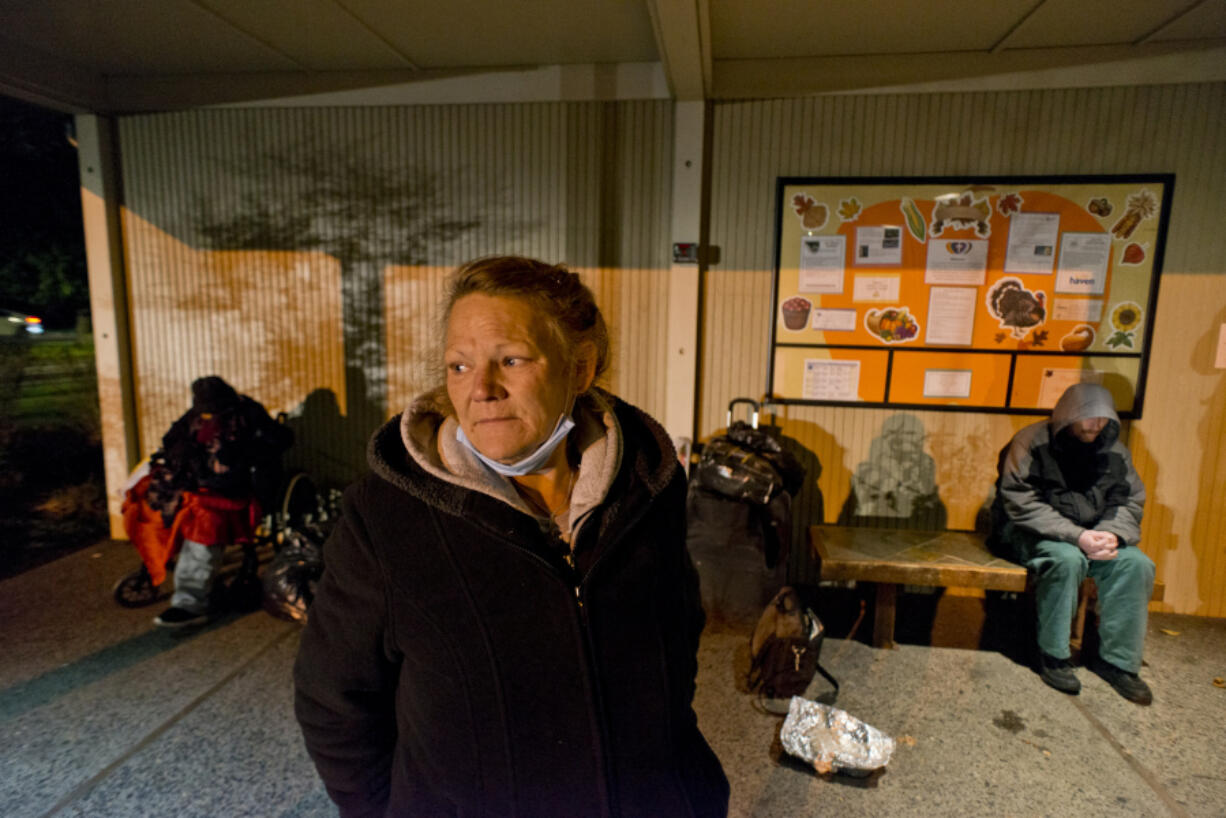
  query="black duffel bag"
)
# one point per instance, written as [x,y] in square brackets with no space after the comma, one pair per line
[746,463]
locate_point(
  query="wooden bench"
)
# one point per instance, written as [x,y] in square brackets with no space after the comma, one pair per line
[888,558]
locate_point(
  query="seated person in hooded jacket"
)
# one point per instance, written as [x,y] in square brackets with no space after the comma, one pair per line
[508,619]
[1068,505]
[205,481]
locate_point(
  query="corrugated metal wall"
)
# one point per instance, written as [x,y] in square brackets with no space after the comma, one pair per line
[300,253]
[273,247]
[1179,445]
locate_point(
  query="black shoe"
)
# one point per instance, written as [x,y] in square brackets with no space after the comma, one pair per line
[1128,685]
[179,618]
[1058,673]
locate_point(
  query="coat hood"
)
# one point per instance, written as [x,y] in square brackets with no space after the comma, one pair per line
[1086,400]
[419,444]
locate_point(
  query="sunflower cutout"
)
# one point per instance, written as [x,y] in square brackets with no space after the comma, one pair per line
[1125,318]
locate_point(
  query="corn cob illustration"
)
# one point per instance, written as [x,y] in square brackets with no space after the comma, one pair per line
[915,221]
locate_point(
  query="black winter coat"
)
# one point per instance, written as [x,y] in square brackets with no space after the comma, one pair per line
[454,664]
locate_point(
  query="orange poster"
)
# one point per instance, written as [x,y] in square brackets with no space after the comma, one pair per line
[978,293]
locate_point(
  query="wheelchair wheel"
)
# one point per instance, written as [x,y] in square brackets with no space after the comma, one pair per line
[136,590]
[298,498]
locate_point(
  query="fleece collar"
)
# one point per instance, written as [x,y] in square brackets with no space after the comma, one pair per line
[426,432]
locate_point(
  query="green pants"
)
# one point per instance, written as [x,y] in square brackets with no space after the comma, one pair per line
[1125,585]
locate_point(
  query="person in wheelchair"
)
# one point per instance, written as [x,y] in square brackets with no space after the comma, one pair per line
[216,462]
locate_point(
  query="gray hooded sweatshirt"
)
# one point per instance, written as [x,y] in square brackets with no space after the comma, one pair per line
[1053,487]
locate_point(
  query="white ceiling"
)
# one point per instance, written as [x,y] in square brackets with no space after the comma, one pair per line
[123,55]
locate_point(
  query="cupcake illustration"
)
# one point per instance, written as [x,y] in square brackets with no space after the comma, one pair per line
[796,312]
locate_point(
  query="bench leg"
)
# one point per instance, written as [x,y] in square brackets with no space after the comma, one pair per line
[1086,596]
[883,615]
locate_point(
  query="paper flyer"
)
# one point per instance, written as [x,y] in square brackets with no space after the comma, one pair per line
[834,320]
[821,264]
[1055,381]
[961,261]
[1083,263]
[876,288]
[947,383]
[831,380]
[1077,309]
[1032,242]
[879,245]
[951,316]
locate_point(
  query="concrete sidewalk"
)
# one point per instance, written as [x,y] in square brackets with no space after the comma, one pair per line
[101,715]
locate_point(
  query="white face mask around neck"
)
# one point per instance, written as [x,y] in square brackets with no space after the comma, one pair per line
[533,461]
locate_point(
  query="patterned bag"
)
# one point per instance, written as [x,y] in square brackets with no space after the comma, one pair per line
[733,471]
[784,648]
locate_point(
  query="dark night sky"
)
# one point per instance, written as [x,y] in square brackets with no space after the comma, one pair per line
[42,252]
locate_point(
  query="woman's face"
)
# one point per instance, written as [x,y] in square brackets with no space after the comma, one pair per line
[506,379]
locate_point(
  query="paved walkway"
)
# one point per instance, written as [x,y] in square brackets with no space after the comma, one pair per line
[103,715]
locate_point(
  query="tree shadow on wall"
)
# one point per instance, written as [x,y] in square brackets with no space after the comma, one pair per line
[368,216]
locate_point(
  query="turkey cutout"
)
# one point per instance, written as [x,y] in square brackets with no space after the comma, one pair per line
[1016,308]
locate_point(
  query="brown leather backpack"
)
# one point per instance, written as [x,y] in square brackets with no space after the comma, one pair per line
[785,647]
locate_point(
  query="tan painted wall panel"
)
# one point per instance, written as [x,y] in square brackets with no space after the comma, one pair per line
[1180,443]
[300,253]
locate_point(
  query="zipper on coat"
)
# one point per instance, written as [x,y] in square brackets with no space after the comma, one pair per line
[598,693]
[571,578]
[577,582]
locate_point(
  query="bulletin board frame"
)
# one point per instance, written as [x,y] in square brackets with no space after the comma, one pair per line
[982,294]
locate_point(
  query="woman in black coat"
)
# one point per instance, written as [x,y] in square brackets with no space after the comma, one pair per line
[508,622]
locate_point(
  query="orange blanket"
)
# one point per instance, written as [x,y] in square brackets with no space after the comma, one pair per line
[204,518]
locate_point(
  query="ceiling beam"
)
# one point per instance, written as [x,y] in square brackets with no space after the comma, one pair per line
[1058,67]
[49,81]
[250,36]
[375,33]
[683,38]
[1145,38]
[1000,44]
[135,94]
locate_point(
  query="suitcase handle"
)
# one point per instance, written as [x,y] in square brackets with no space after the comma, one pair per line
[769,407]
[753,416]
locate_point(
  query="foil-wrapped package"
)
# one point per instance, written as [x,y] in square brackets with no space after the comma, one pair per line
[832,740]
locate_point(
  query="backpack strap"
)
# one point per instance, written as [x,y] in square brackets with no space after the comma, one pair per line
[826,675]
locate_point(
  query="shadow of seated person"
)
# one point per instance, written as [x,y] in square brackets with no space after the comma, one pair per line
[896,486]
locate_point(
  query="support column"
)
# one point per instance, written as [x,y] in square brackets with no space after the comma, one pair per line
[690,182]
[108,300]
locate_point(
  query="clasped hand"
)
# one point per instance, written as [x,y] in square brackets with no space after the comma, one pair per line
[1098,545]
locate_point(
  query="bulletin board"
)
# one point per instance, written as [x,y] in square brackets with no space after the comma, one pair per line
[965,293]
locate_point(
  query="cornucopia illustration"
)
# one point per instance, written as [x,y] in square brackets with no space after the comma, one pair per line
[894,325]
